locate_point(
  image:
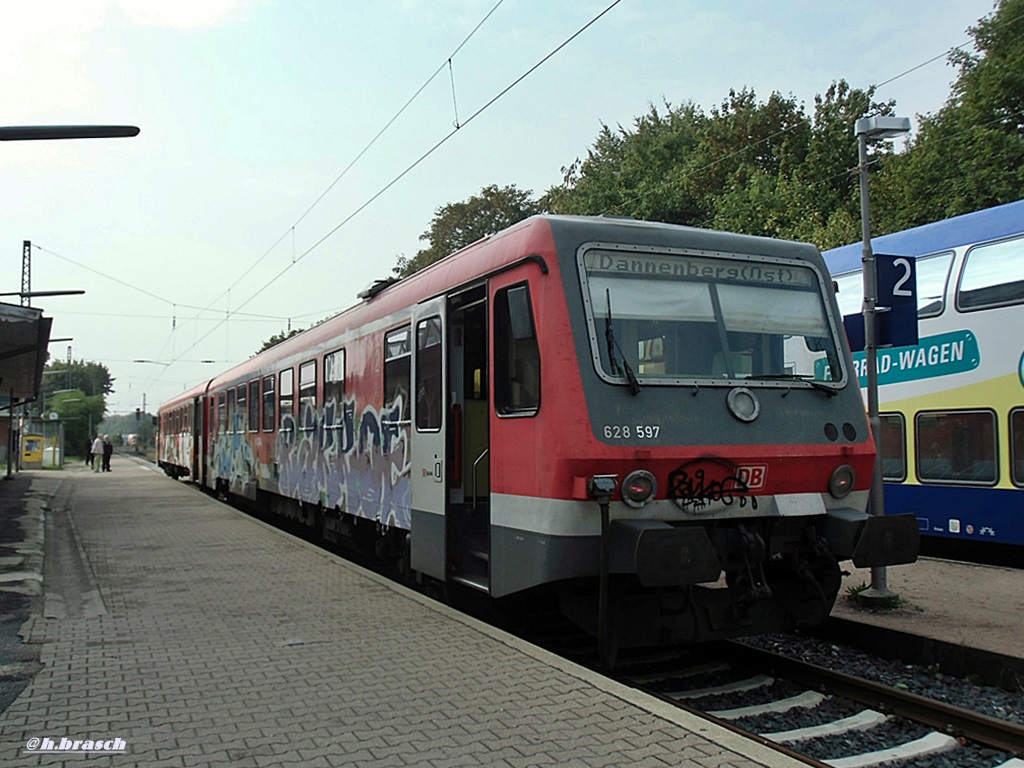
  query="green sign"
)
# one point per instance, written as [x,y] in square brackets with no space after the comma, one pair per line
[941,355]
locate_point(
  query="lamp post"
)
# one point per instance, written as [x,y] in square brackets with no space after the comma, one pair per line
[873,128]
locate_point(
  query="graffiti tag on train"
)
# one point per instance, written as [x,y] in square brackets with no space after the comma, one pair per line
[696,485]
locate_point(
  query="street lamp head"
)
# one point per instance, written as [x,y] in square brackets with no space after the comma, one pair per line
[881,127]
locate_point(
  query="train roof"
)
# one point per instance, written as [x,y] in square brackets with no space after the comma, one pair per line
[977,227]
[533,235]
[187,396]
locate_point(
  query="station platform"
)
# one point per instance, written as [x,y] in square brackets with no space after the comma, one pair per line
[173,631]
[979,607]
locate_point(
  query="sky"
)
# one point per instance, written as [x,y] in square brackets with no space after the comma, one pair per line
[291,151]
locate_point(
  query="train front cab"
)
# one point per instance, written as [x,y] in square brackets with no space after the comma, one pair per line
[507,490]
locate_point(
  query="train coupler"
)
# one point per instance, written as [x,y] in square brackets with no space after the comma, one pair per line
[752,585]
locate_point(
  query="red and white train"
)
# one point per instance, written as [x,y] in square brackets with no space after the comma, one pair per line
[660,424]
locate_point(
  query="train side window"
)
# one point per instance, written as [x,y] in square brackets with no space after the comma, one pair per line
[254,405]
[1017,446]
[222,414]
[850,293]
[993,276]
[894,447]
[932,276]
[334,385]
[285,400]
[429,395]
[307,396]
[269,401]
[240,412]
[516,353]
[397,364]
[957,447]
[231,411]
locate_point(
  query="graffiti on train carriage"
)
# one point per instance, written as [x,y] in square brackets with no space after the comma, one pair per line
[359,467]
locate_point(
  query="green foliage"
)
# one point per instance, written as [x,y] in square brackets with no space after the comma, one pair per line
[457,225]
[81,414]
[763,168]
[276,339]
[91,378]
[970,154]
[78,393]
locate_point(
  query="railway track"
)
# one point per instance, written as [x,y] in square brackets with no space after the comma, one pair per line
[804,710]
[827,718]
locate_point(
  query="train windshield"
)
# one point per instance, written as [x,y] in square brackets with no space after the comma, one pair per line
[663,318]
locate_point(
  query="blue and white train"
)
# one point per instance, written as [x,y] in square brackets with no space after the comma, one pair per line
[952,438]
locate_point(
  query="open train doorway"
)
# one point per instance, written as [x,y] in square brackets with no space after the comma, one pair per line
[469,493]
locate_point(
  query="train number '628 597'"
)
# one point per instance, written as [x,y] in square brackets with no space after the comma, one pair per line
[631,431]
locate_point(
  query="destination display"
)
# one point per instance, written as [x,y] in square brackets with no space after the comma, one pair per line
[620,264]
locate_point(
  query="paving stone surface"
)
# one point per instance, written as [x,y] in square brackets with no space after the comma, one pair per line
[187,634]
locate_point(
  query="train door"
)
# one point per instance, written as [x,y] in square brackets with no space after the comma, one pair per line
[196,432]
[429,453]
[469,518]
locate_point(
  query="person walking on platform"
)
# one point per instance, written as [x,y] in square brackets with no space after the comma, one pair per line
[97,453]
[108,451]
[88,453]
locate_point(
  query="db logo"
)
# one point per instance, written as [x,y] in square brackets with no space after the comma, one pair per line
[753,476]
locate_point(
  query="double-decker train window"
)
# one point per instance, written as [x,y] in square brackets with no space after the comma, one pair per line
[285,399]
[957,447]
[307,396]
[254,405]
[516,353]
[397,373]
[269,400]
[932,276]
[993,276]
[334,386]
[429,394]
[850,293]
[893,446]
[1017,446]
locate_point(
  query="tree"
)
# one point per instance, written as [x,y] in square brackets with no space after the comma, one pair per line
[91,378]
[645,172]
[276,339]
[77,392]
[81,414]
[970,154]
[763,168]
[457,225]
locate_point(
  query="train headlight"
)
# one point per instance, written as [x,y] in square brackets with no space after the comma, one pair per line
[842,481]
[639,487]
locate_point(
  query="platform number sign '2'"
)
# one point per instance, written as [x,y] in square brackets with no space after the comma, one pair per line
[897,301]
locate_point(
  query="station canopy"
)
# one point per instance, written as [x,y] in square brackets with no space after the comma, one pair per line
[24,336]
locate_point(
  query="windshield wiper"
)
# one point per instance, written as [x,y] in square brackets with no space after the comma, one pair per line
[613,346]
[804,377]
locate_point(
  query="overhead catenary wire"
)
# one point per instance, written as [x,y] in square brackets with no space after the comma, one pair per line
[291,230]
[412,166]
